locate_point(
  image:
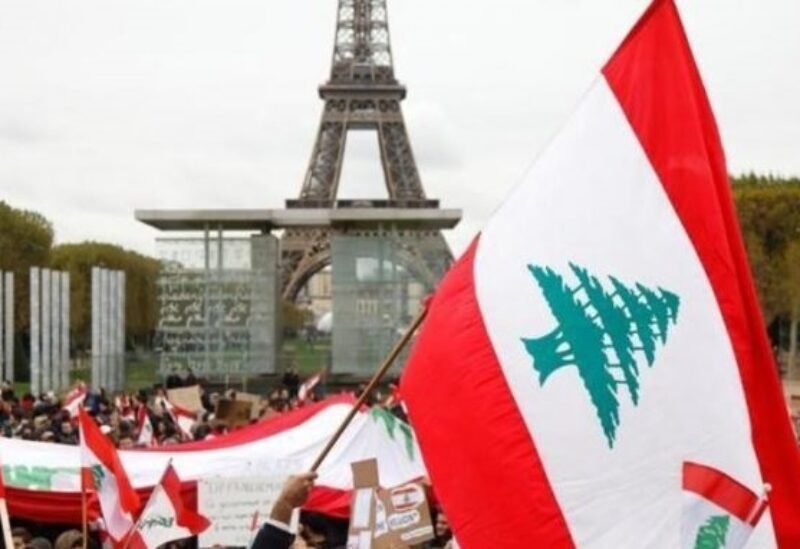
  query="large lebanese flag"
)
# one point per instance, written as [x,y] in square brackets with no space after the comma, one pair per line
[102,471]
[604,329]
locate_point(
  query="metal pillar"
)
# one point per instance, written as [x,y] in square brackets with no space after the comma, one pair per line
[45,316]
[121,282]
[2,326]
[113,315]
[9,326]
[105,313]
[55,330]
[65,324]
[36,365]
[219,305]
[96,361]
[207,296]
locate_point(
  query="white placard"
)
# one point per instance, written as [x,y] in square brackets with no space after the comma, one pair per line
[361,508]
[231,503]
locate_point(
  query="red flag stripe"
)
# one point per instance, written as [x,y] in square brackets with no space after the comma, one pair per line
[493,438]
[652,102]
[189,519]
[2,483]
[720,489]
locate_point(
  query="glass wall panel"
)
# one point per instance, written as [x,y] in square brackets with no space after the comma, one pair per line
[380,279]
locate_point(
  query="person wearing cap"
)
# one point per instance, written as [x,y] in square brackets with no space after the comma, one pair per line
[276,533]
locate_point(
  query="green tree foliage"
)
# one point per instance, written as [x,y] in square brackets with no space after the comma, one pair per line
[25,241]
[769,216]
[294,317]
[141,272]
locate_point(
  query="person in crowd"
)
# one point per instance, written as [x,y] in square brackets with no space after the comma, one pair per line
[20,537]
[276,533]
[39,543]
[71,539]
[291,382]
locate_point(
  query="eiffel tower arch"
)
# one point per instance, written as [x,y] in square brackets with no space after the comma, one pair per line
[362,93]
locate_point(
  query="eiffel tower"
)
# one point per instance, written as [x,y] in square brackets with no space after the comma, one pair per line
[361,94]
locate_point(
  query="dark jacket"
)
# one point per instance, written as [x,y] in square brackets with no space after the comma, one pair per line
[270,537]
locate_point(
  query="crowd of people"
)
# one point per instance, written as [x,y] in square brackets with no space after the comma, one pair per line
[45,418]
[49,418]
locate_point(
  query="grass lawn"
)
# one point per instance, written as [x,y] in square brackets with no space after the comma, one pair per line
[309,359]
[138,374]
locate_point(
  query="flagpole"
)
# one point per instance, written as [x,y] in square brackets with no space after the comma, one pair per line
[5,521]
[84,515]
[376,378]
[84,499]
[9,541]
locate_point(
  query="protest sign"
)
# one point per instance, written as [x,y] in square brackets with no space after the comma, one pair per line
[255,400]
[235,413]
[232,504]
[187,398]
[395,518]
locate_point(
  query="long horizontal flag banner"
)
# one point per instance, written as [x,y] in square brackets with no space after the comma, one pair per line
[603,330]
[43,480]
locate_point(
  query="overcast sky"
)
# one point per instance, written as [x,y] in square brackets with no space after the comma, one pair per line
[107,105]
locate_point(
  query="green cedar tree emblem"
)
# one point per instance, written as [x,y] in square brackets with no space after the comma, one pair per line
[603,331]
[393,424]
[158,521]
[98,475]
[713,533]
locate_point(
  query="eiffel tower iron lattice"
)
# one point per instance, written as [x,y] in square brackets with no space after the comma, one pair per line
[361,94]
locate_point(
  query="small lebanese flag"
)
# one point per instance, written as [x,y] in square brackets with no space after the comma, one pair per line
[146,436]
[718,511]
[604,329]
[74,399]
[102,471]
[304,393]
[166,517]
[124,408]
[183,419]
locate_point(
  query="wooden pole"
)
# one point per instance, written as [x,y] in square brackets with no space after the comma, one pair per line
[387,363]
[9,541]
[84,515]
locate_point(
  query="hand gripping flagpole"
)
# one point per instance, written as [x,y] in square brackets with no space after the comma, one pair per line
[387,363]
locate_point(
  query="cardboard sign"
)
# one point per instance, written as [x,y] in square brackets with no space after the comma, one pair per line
[255,400]
[235,413]
[187,398]
[236,508]
[396,518]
